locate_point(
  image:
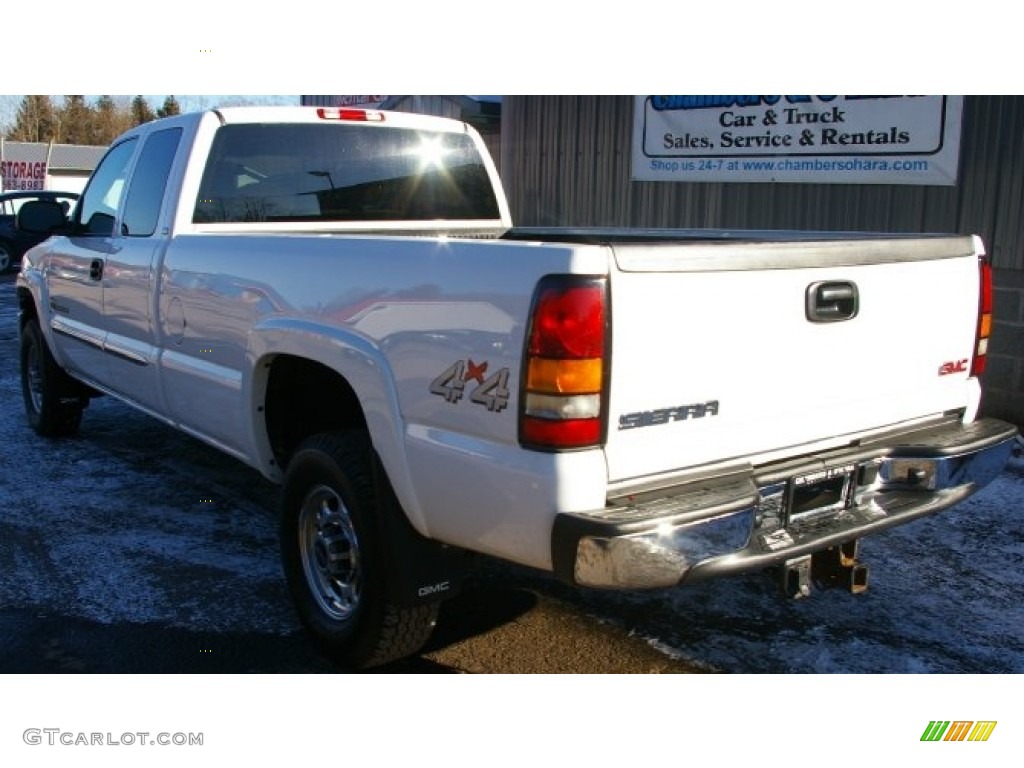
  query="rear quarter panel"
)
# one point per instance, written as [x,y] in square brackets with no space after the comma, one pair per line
[391,315]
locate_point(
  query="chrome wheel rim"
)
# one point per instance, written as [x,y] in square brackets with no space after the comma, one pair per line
[35,378]
[329,550]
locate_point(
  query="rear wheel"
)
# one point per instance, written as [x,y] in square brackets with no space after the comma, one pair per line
[52,403]
[332,555]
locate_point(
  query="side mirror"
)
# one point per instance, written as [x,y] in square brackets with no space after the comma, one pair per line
[41,217]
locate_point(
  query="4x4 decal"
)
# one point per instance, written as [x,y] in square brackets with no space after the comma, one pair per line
[490,392]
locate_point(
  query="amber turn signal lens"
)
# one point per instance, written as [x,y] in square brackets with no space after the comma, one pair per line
[564,377]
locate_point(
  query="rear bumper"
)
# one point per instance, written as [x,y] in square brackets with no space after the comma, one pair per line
[765,516]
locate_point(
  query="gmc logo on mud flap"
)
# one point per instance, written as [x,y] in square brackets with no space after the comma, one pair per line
[434,589]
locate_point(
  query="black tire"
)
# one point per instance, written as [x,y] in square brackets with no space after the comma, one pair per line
[6,257]
[332,556]
[52,400]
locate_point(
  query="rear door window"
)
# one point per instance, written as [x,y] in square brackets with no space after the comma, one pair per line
[149,180]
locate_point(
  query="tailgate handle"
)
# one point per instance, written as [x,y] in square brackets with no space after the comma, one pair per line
[832,302]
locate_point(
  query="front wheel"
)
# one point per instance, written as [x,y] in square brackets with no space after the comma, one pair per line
[53,407]
[332,555]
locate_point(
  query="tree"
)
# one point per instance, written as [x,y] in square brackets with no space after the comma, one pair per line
[111,120]
[36,120]
[78,122]
[170,108]
[106,116]
[76,119]
[141,111]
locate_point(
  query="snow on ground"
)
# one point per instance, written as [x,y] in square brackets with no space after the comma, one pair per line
[115,526]
[133,523]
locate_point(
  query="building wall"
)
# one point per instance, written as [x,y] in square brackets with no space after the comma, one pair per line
[68,166]
[566,162]
[67,181]
[1004,377]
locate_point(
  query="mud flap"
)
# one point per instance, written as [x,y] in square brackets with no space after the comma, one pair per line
[418,570]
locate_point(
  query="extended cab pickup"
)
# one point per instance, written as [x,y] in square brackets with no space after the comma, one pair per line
[338,298]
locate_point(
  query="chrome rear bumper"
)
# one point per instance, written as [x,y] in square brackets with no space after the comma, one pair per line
[765,516]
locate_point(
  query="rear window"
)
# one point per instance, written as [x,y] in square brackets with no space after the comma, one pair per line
[338,173]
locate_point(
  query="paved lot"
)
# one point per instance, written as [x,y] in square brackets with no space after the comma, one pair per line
[133,548]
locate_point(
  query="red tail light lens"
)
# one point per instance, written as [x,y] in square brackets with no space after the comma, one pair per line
[570,433]
[562,403]
[568,323]
[984,319]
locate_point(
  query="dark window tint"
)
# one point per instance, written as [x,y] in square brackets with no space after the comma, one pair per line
[99,203]
[142,209]
[342,172]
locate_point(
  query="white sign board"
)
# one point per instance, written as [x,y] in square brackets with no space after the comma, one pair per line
[20,175]
[359,101]
[809,139]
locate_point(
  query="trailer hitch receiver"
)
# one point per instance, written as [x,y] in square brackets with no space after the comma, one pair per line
[834,567]
[839,567]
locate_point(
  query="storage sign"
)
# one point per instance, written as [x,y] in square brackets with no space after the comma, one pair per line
[810,139]
[21,175]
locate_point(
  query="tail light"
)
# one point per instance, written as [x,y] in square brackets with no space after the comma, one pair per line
[563,399]
[984,319]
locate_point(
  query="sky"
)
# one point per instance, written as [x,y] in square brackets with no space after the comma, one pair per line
[459,46]
[744,46]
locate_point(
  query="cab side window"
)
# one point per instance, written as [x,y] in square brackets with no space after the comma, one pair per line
[98,207]
[149,179]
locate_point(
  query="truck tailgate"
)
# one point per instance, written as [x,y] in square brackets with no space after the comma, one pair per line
[717,357]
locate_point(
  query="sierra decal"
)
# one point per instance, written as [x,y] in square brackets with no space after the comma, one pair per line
[665,415]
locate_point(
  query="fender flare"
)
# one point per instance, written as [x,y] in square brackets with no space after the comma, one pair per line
[358,361]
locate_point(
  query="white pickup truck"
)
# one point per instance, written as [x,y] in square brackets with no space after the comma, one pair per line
[338,298]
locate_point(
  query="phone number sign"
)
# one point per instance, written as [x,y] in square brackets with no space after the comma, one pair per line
[21,175]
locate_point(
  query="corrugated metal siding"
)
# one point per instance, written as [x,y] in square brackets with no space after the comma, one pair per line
[1006,243]
[440,106]
[566,161]
[74,157]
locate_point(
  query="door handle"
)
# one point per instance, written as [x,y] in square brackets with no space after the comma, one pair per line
[96,269]
[832,302]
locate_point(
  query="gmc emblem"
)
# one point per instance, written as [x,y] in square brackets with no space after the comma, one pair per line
[959,366]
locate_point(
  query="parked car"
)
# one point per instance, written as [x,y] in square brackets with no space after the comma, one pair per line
[14,241]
